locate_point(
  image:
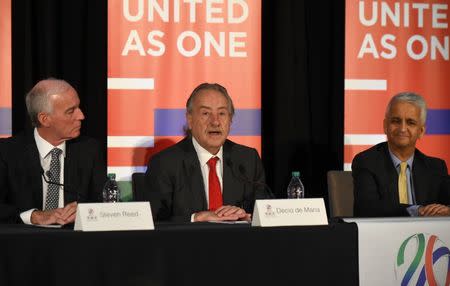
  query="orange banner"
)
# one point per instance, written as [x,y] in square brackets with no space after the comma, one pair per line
[158,52]
[5,68]
[394,46]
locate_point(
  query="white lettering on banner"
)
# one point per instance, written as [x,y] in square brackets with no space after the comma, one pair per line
[133,44]
[163,12]
[215,11]
[196,40]
[211,10]
[139,11]
[393,14]
[368,47]
[219,47]
[422,45]
[436,49]
[189,44]
[234,44]
[387,43]
[157,43]
[193,40]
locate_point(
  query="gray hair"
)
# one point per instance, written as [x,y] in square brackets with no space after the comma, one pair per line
[38,98]
[412,98]
[210,86]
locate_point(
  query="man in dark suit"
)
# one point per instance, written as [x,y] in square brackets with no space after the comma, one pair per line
[44,173]
[205,176]
[394,178]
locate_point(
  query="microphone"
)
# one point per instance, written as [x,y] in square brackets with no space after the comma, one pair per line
[244,178]
[67,188]
[50,176]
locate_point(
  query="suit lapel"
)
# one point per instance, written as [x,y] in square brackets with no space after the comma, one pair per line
[390,174]
[69,169]
[32,158]
[420,177]
[194,176]
[230,183]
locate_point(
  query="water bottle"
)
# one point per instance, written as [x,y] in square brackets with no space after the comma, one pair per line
[295,189]
[111,191]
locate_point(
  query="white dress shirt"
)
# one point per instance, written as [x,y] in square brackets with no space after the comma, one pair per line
[45,157]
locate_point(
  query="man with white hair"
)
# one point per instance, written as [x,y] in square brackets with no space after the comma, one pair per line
[394,178]
[46,172]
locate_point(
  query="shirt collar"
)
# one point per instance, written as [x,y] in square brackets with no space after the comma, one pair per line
[397,161]
[203,154]
[44,147]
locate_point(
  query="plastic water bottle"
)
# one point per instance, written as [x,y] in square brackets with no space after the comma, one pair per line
[111,191]
[295,189]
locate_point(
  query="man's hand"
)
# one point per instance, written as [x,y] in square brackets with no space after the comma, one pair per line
[434,210]
[224,213]
[60,216]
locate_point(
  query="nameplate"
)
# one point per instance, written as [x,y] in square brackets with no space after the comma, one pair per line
[114,216]
[285,212]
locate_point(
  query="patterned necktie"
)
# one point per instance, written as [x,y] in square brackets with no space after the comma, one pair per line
[402,185]
[215,195]
[52,198]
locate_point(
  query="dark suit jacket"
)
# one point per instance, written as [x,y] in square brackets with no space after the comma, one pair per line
[175,185]
[375,182]
[21,180]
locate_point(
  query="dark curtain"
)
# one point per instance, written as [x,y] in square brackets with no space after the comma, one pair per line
[61,39]
[302,90]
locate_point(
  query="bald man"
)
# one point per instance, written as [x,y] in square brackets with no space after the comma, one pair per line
[46,172]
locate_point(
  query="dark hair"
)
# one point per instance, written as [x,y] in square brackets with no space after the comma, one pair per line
[209,86]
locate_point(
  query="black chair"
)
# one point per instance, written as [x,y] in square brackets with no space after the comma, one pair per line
[138,186]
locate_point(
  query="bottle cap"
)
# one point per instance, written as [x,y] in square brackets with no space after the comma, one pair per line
[296,174]
[111,176]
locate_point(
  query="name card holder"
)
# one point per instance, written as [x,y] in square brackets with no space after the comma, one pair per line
[114,216]
[286,212]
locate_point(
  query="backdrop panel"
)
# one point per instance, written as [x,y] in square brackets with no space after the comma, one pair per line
[392,47]
[158,51]
[5,68]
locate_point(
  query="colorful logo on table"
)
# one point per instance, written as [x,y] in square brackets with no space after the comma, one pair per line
[423,259]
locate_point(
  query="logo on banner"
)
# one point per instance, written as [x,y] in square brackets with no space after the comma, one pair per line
[423,259]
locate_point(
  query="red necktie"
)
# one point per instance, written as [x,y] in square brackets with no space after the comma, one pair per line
[215,195]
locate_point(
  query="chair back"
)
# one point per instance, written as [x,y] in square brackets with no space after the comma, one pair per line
[138,186]
[340,193]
